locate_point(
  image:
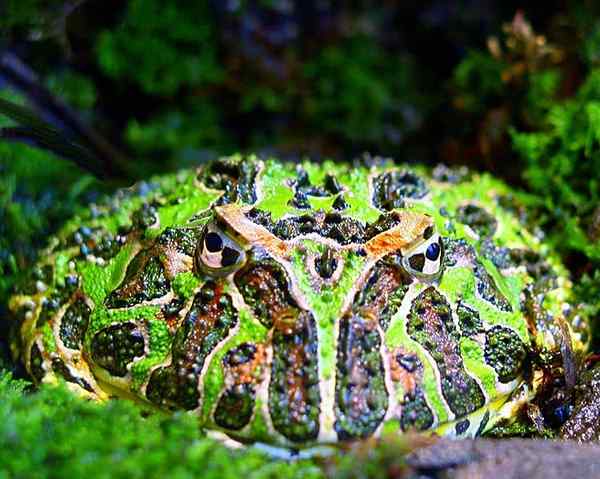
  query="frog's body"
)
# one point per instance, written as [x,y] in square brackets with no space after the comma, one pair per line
[296,305]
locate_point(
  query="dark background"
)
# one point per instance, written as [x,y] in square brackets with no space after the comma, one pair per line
[500,86]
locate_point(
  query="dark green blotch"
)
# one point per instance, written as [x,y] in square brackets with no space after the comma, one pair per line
[498,255]
[505,352]
[183,240]
[383,290]
[391,189]
[235,406]
[416,414]
[144,280]
[326,263]
[478,219]
[458,252]
[260,217]
[115,346]
[537,267]
[468,320]
[295,414]
[303,188]
[383,223]
[343,229]
[488,290]
[430,324]
[206,324]
[74,323]
[144,217]
[235,177]
[340,203]
[264,285]
[361,398]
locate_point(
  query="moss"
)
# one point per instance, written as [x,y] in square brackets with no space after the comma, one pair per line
[567,152]
[53,433]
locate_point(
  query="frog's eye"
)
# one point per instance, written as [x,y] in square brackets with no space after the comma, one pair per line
[217,253]
[425,260]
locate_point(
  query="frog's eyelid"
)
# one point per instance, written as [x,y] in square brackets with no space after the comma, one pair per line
[217,253]
[425,260]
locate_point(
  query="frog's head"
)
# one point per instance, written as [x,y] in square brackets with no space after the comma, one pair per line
[280,275]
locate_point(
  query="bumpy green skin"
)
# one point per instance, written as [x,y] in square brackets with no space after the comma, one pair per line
[326,342]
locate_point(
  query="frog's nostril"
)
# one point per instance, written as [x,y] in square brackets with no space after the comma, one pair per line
[326,264]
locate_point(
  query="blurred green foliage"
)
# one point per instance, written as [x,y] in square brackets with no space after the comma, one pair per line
[38,192]
[162,47]
[562,161]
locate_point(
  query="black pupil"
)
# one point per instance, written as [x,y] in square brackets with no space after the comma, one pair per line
[433,251]
[229,257]
[213,242]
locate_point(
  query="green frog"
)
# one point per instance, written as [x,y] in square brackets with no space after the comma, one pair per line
[302,304]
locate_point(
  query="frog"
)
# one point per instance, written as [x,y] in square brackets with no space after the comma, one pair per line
[299,304]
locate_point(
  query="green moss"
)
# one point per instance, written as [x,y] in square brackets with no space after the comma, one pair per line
[562,159]
[182,56]
[53,433]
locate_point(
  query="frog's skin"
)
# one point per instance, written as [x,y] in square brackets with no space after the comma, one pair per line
[300,304]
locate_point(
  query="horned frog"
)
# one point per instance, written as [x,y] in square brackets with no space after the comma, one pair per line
[300,304]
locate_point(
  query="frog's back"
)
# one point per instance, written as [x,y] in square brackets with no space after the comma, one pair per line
[296,304]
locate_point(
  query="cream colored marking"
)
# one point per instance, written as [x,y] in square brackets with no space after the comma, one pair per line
[176,262]
[393,405]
